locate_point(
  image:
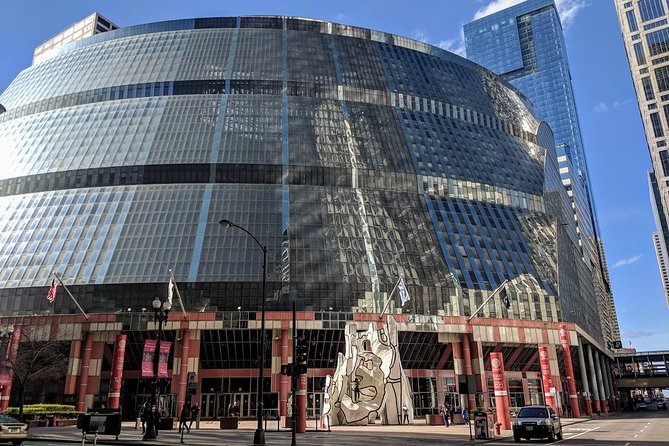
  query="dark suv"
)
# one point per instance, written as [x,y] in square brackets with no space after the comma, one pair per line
[537,422]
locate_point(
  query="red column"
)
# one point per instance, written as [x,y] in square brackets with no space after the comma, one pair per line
[301,405]
[73,368]
[569,371]
[183,370]
[545,365]
[467,356]
[284,388]
[12,351]
[83,374]
[501,390]
[117,372]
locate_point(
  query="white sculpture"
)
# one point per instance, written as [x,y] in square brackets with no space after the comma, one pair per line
[369,381]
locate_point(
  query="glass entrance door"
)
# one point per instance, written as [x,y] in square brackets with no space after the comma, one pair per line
[208,406]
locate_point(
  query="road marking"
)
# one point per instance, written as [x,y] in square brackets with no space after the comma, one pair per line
[627,444]
[636,435]
[578,435]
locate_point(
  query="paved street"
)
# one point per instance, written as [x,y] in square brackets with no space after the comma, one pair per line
[633,429]
[644,428]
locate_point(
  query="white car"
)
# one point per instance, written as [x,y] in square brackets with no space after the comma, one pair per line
[12,430]
[537,422]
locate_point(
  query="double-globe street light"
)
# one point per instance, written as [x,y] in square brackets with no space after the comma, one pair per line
[259,436]
[160,311]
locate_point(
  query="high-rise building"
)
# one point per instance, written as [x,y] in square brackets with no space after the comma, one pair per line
[645,30]
[525,45]
[356,157]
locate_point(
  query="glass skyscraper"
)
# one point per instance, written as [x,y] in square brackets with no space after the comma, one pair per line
[525,45]
[645,30]
[355,156]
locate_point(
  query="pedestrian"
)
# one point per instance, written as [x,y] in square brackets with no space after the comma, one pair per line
[465,416]
[194,412]
[405,414]
[356,390]
[143,415]
[235,409]
[444,414]
[451,413]
[183,418]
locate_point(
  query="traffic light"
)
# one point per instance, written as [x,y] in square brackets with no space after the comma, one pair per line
[287,369]
[505,298]
[301,353]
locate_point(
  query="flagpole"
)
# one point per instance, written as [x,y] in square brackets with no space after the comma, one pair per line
[389,298]
[181,302]
[69,294]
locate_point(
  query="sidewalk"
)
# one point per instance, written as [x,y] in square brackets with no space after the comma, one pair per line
[209,434]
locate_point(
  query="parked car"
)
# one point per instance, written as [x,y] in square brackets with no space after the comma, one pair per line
[662,404]
[537,422]
[12,430]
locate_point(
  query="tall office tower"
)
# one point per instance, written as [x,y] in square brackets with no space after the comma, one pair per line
[354,157]
[91,25]
[645,30]
[525,45]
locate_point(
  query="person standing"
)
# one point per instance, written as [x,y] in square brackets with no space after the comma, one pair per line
[444,414]
[465,415]
[451,413]
[356,390]
[405,414]
[143,413]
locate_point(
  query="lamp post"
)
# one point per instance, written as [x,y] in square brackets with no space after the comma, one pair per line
[160,311]
[259,436]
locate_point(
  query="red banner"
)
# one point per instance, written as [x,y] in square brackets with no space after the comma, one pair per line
[162,360]
[5,372]
[147,358]
[117,372]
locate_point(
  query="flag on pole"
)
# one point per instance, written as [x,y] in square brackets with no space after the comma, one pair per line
[404,294]
[170,291]
[51,296]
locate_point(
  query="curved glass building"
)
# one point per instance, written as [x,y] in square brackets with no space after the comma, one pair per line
[355,156]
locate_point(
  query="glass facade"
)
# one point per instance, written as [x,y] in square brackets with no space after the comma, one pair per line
[355,156]
[525,45]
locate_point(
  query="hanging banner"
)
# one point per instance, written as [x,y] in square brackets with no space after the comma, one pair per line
[5,373]
[147,358]
[162,360]
[117,372]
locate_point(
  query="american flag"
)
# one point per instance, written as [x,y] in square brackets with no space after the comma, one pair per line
[52,291]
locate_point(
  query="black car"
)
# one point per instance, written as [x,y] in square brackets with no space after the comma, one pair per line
[537,422]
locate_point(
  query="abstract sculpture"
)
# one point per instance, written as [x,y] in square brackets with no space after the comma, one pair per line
[369,381]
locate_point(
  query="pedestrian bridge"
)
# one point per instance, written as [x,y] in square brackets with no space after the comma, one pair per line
[641,369]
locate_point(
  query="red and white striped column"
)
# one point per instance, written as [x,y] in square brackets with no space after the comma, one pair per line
[83,374]
[301,401]
[117,372]
[12,351]
[569,371]
[546,378]
[501,390]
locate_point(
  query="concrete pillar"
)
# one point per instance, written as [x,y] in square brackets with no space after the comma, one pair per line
[301,405]
[501,387]
[284,389]
[584,381]
[593,380]
[600,382]
[605,382]
[183,370]
[546,378]
[478,366]
[467,356]
[614,391]
[12,351]
[114,397]
[83,374]
[569,371]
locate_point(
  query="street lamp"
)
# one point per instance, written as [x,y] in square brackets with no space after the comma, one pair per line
[259,436]
[160,311]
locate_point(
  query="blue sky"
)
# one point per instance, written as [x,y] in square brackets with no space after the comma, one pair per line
[613,136]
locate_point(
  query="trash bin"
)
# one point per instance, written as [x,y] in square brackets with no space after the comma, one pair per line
[481,425]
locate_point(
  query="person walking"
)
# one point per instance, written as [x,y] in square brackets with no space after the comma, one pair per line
[465,415]
[356,390]
[142,416]
[194,412]
[183,418]
[451,413]
[405,414]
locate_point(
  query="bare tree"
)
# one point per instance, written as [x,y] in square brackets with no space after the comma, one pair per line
[37,360]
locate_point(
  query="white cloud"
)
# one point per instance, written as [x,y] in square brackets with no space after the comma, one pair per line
[625,262]
[603,107]
[456,46]
[568,9]
[421,36]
